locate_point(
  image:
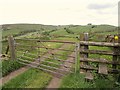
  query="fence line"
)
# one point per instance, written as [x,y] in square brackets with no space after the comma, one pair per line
[102,67]
[81,48]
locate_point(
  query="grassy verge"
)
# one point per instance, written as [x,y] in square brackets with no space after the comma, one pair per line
[78,81]
[74,81]
[9,66]
[32,78]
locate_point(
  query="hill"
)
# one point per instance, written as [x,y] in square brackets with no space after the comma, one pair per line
[60,30]
[20,29]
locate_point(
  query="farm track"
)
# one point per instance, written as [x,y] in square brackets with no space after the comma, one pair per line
[55,82]
[13,74]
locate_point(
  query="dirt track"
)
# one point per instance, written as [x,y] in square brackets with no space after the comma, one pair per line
[55,82]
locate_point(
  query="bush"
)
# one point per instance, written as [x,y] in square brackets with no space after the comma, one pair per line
[69,31]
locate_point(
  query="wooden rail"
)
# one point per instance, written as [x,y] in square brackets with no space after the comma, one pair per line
[105,44]
[100,52]
[18,44]
[99,61]
[56,41]
[50,67]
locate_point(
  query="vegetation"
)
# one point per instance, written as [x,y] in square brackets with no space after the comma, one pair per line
[32,78]
[17,29]
[10,66]
[78,81]
[74,81]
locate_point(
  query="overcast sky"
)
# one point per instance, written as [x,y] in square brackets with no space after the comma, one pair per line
[59,12]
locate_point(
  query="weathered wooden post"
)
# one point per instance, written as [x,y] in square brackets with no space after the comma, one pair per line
[11,47]
[118,80]
[115,59]
[119,56]
[118,38]
[88,74]
[115,50]
[84,37]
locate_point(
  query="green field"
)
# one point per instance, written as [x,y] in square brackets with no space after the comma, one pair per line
[23,29]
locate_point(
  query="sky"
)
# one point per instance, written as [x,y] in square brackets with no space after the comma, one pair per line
[59,12]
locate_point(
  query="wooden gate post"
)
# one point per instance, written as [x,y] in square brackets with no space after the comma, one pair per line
[11,47]
[84,37]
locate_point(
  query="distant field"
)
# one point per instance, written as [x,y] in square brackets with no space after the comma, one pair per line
[23,28]
[15,29]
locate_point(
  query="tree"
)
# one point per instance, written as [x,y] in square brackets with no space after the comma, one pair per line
[89,24]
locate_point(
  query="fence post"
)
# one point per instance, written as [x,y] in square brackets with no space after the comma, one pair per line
[11,47]
[84,37]
[115,57]
[114,66]
[118,80]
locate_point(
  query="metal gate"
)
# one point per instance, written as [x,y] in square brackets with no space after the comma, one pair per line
[56,57]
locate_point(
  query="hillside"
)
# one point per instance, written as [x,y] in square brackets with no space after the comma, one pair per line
[61,30]
[16,29]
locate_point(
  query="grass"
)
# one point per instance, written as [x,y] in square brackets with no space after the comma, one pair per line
[59,32]
[4,46]
[15,29]
[66,39]
[78,81]
[108,57]
[74,81]
[32,78]
[9,66]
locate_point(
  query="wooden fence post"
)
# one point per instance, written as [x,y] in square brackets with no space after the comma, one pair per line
[84,37]
[118,79]
[114,57]
[11,47]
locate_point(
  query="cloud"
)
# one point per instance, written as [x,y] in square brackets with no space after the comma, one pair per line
[100,6]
